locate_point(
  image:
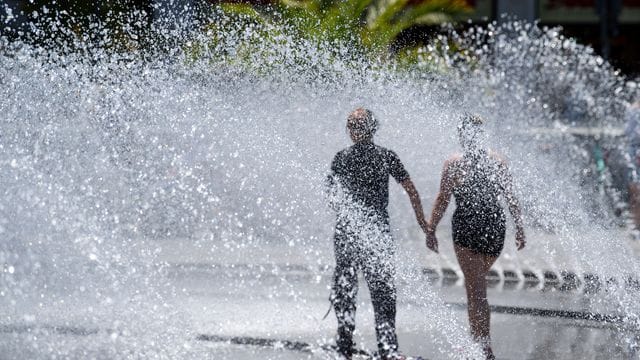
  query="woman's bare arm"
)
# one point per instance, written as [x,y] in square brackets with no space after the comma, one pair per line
[443,197]
[514,205]
[440,205]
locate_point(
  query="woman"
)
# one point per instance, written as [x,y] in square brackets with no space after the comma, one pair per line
[478,179]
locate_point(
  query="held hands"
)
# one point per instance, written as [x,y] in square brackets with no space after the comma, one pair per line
[432,240]
[520,238]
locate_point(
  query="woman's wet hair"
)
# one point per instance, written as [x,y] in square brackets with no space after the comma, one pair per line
[362,123]
[471,132]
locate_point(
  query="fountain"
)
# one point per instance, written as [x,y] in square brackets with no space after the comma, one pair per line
[171,203]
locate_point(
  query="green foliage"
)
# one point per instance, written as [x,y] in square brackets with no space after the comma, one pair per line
[437,56]
[386,19]
[246,41]
[373,24]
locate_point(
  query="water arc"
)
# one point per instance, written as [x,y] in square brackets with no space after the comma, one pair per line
[118,167]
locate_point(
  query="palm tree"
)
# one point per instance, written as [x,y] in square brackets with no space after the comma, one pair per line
[374,24]
[386,19]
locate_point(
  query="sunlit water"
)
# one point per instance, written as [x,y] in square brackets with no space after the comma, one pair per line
[105,160]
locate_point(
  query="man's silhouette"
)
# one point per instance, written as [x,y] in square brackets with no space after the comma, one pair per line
[359,192]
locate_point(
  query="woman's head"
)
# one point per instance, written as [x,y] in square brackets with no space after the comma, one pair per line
[362,125]
[471,133]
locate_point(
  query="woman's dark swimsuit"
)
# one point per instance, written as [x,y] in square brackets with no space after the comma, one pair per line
[479,222]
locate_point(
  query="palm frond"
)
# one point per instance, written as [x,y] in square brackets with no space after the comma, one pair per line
[377,23]
[345,17]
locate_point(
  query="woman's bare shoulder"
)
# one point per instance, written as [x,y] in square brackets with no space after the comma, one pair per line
[455,158]
[497,157]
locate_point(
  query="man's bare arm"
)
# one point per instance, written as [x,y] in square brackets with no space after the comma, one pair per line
[414,197]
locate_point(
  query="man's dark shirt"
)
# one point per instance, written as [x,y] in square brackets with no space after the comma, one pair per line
[363,170]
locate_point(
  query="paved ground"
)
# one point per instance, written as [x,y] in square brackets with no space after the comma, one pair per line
[235,315]
[527,334]
[248,304]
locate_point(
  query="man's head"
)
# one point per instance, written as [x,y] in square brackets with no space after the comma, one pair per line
[362,125]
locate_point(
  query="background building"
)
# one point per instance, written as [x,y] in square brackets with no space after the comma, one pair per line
[609,26]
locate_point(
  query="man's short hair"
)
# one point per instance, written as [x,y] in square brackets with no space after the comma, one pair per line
[362,123]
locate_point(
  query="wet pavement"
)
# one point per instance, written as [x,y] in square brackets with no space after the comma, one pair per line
[237,314]
[256,304]
[526,324]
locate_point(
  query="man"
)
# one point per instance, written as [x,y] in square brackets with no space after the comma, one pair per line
[359,192]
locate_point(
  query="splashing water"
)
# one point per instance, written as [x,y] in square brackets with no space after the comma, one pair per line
[223,146]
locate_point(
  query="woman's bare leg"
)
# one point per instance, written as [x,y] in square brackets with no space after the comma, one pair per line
[475,268]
